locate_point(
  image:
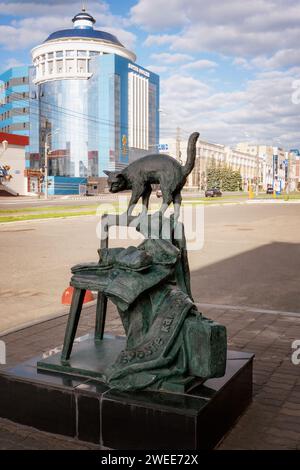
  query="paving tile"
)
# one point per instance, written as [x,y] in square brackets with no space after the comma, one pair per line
[271,422]
[278,432]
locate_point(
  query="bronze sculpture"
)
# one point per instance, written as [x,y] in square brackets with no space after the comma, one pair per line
[169,343]
[155,169]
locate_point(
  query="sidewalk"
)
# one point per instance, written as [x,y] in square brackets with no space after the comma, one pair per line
[271,422]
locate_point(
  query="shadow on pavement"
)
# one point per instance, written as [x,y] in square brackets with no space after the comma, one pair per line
[267,277]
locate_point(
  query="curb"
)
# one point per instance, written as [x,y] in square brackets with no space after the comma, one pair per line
[273,201]
[62,313]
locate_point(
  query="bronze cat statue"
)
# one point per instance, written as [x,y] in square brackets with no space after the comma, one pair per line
[155,169]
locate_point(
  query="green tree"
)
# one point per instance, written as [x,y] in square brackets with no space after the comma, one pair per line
[223,177]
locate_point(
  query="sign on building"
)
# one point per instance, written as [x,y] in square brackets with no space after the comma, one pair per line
[163,147]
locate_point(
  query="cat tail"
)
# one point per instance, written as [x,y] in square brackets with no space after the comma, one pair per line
[191,154]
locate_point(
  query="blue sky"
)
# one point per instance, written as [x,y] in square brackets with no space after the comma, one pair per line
[228,68]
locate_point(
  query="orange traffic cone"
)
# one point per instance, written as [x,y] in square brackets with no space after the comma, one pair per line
[68,294]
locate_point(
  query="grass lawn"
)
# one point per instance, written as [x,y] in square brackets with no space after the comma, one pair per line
[46,209]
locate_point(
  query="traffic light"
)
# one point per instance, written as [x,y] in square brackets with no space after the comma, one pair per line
[41,176]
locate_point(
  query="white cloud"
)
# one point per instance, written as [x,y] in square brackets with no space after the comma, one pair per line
[263,112]
[233,40]
[11,63]
[158,14]
[255,15]
[183,87]
[258,35]
[40,19]
[168,58]
[158,40]
[127,38]
[33,8]
[157,68]
[234,28]
[282,58]
[28,32]
[242,62]
[200,65]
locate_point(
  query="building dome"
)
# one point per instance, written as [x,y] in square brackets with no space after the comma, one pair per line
[66,54]
[83,17]
[84,34]
[84,28]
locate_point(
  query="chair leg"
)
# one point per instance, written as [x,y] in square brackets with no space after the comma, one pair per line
[100,316]
[75,311]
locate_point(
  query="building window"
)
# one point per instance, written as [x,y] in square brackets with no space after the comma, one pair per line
[50,55]
[81,53]
[59,54]
[59,66]
[81,65]
[70,53]
[70,66]
[50,67]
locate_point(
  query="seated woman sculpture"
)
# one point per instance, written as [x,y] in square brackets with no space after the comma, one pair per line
[168,340]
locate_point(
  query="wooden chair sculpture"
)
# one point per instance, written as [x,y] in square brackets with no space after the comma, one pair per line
[81,286]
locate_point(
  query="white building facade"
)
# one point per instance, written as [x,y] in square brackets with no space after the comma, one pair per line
[12,154]
[206,154]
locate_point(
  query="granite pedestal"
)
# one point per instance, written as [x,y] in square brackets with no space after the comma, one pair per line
[76,405]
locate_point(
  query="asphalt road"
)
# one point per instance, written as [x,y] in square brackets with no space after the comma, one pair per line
[250,257]
[9,203]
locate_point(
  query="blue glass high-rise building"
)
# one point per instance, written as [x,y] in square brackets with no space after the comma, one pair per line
[91,104]
[14,104]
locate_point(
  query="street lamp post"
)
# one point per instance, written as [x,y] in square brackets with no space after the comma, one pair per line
[47,152]
[46,165]
[289,164]
[257,173]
